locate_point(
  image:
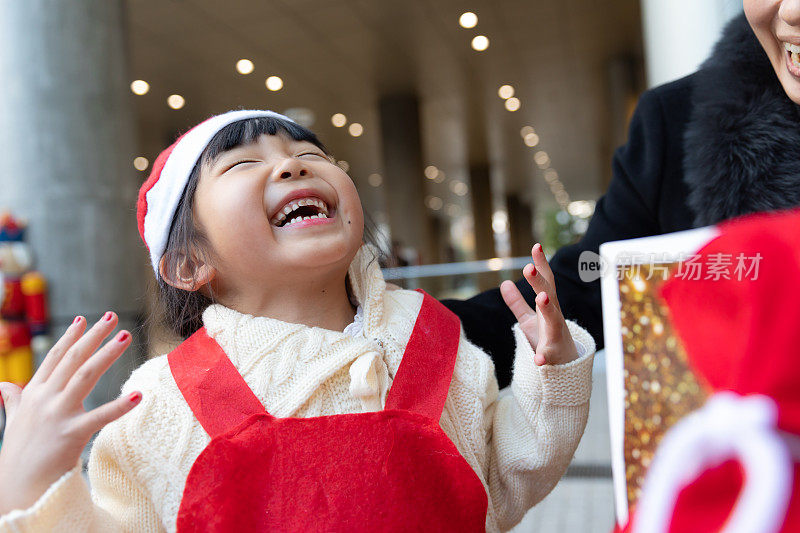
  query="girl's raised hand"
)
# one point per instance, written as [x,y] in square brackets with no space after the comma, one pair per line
[545,327]
[47,426]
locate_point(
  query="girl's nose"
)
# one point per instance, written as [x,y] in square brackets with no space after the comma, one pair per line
[290,168]
[789,12]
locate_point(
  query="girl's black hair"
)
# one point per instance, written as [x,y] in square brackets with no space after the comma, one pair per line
[182,310]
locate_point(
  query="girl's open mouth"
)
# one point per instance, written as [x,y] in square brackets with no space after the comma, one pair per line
[303,212]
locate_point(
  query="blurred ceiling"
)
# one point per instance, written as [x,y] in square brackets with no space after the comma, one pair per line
[341,56]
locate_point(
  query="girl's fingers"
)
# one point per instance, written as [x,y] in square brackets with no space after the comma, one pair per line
[540,260]
[82,350]
[551,317]
[526,317]
[96,419]
[515,302]
[537,281]
[86,377]
[72,334]
[10,394]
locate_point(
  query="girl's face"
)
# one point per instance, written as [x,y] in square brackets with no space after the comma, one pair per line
[253,202]
[776,23]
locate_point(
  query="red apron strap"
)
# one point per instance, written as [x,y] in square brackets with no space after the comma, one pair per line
[215,391]
[424,375]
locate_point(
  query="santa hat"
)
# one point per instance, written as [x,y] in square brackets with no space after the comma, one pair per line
[160,194]
[734,465]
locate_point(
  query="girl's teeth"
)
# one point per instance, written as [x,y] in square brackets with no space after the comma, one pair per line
[796,58]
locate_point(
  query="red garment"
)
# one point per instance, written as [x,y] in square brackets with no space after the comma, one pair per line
[741,336]
[392,470]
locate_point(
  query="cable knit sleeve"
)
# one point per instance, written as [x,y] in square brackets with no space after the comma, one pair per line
[533,432]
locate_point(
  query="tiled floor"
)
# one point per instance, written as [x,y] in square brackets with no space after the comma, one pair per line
[583,501]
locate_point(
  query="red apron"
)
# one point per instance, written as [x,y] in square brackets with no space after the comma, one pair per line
[392,470]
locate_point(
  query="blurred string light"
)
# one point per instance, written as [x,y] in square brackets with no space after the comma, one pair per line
[431,172]
[141,163]
[453,210]
[468,20]
[512,104]
[338,120]
[505,92]
[480,43]
[176,101]
[525,131]
[355,129]
[344,165]
[244,66]
[274,83]
[375,179]
[140,87]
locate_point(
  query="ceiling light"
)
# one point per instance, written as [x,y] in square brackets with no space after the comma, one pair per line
[468,20]
[505,92]
[480,43]
[434,202]
[274,83]
[140,87]
[355,129]
[500,222]
[141,163]
[459,187]
[338,120]
[176,101]
[512,104]
[453,210]
[531,139]
[244,66]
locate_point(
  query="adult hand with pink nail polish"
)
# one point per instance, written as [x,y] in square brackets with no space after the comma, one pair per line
[545,326]
[47,426]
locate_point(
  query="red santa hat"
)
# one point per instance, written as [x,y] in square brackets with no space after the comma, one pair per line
[734,465]
[160,194]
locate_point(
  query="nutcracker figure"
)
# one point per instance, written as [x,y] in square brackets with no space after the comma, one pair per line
[23,313]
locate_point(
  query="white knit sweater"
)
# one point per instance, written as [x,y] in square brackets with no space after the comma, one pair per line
[519,444]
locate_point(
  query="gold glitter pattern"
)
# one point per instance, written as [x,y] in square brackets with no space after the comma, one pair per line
[660,388]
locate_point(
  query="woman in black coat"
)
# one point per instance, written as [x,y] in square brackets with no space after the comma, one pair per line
[719,143]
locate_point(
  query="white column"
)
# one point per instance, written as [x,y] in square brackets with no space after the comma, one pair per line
[679,34]
[66,146]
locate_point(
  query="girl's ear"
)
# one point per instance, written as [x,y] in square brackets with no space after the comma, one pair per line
[188,275]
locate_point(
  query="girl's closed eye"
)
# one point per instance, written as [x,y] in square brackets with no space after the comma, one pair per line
[318,154]
[238,163]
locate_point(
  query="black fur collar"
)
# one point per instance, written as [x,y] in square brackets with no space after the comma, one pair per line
[742,144]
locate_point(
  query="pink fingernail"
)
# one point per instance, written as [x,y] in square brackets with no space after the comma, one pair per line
[77,319]
[108,316]
[533,272]
[546,300]
[122,336]
[135,397]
